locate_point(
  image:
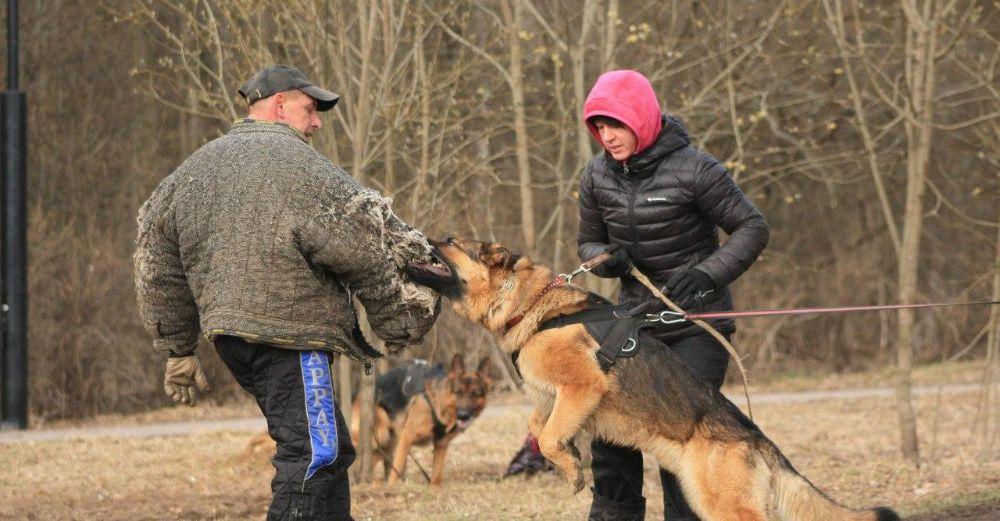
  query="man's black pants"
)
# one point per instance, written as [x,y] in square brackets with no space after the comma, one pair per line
[274,376]
[618,470]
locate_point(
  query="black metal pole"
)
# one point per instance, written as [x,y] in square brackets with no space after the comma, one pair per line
[13,57]
[14,306]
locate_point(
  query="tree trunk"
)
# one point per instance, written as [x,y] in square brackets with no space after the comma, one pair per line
[611,22]
[425,125]
[920,50]
[362,106]
[344,395]
[365,464]
[512,16]
[577,56]
[988,420]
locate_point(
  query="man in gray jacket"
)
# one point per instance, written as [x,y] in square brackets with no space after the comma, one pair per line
[259,243]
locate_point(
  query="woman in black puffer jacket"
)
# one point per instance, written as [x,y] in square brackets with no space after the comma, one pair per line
[662,202]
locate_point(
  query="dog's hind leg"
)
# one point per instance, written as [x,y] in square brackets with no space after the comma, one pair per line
[719,479]
[537,421]
[573,405]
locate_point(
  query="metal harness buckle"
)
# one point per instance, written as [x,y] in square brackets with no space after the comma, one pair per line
[568,277]
[665,317]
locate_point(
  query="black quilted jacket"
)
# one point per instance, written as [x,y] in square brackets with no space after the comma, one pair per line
[664,207]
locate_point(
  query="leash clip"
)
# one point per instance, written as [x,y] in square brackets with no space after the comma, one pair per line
[568,277]
[667,317]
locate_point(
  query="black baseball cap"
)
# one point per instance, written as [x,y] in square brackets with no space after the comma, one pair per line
[281,78]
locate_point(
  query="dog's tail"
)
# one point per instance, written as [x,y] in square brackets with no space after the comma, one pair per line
[798,499]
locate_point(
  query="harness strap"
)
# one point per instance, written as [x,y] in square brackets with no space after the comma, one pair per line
[598,314]
[513,359]
[592,314]
[440,429]
[620,340]
[599,309]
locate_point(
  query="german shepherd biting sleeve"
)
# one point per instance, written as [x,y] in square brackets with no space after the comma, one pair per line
[727,468]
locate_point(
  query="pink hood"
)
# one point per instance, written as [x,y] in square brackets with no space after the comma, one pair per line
[628,97]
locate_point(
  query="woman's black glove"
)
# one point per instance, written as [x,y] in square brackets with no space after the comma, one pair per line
[618,265]
[690,288]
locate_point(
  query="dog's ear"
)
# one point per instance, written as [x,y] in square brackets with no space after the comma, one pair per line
[457,365]
[492,254]
[485,371]
[520,263]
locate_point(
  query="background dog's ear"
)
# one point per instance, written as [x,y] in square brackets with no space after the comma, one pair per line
[457,365]
[485,371]
[492,254]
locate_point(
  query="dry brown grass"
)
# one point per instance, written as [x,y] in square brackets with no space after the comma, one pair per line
[792,381]
[847,447]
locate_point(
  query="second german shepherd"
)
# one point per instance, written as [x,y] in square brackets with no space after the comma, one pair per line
[441,409]
[728,469]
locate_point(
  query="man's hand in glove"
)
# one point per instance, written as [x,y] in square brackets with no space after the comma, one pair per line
[690,288]
[183,375]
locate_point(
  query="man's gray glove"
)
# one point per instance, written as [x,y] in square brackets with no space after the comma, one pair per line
[183,375]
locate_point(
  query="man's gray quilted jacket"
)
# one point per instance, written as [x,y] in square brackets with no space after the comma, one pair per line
[258,235]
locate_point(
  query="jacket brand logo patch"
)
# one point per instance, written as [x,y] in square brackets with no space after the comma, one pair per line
[654,199]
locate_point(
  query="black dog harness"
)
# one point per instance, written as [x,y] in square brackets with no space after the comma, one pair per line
[396,388]
[440,429]
[615,328]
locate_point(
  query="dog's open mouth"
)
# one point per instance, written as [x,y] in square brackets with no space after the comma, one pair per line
[437,274]
[463,424]
[436,268]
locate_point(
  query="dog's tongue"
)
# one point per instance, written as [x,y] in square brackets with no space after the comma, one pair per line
[462,424]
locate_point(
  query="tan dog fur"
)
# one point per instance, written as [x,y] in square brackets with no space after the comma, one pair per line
[461,393]
[728,469]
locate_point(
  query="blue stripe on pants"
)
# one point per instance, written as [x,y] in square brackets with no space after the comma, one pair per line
[318,387]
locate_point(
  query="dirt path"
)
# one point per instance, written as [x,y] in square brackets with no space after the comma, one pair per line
[986,512]
[251,424]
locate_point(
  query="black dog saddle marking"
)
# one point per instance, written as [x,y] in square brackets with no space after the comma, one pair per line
[394,389]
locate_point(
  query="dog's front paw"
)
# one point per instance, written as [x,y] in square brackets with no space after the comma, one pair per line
[575,478]
[578,484]
[570,447]
[574,472]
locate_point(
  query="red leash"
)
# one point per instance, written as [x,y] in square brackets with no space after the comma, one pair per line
[808,311]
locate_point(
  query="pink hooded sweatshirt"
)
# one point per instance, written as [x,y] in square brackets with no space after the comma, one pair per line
[628,97]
